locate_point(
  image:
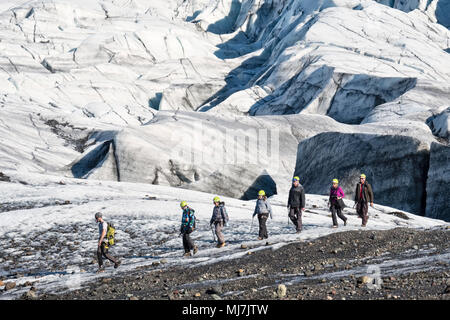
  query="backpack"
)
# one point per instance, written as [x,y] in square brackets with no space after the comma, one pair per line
[110,234]
[194,226]
[223,213]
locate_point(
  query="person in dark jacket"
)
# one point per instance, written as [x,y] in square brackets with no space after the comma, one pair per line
[263,209]
[219,219]
[363,196]
[336,194]
[296,203]
[187,227]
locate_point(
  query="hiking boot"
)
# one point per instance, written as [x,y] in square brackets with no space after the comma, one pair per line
[101,269]
[259,238]
[117,264]
[345,223]
[363,225]
[187,254]
[195,249]
[220,245]
[334,226]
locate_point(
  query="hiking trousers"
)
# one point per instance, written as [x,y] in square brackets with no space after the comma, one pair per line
[362,209]
[295,214]
[218,226]
[102,251]
[338,211]
[188,244]
[262,218]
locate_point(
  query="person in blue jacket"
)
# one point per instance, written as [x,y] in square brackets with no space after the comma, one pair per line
[187,227]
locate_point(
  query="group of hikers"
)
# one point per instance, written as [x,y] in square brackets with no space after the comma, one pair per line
[263,210]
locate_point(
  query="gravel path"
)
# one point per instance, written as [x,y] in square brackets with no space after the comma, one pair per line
[393,264]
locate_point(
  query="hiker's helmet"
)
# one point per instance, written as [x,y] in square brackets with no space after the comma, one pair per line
[98,215]
[261,193]
[183,204]
[216,200]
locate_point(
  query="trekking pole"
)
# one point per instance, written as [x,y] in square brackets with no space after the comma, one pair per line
[288,216]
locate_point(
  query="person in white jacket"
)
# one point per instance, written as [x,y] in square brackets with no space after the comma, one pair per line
[263,210]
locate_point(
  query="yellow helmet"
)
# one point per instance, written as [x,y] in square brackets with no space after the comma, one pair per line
[335,181]
[261,193]
[183,204]
[296,179]
[362,175]
[216,199]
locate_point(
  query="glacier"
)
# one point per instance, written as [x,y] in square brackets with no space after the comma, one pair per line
[90,89]
[105,102]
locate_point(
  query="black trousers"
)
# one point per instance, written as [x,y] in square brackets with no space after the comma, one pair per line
[335,210]
[102,251]
[295,214]
[262,218]
[188,244]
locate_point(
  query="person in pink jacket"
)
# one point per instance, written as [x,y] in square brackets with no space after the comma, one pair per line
[336,194]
